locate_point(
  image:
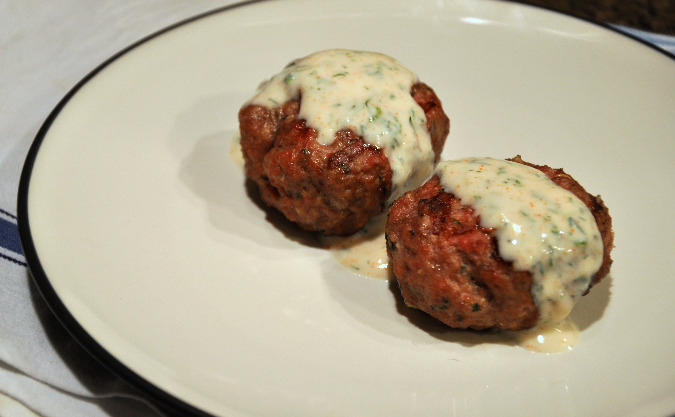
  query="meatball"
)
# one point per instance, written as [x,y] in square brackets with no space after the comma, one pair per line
[336,188]
[449,266]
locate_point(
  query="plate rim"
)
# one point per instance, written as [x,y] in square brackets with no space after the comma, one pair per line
[161,399]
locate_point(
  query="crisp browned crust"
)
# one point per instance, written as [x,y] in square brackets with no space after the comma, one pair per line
[448,266]
[333,189]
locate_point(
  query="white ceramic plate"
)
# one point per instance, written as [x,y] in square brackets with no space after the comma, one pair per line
[143,239]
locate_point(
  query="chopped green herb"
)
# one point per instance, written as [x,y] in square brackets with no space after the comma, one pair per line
[574,224]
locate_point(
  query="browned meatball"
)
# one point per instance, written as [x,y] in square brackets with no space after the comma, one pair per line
[333,189]
[448,266]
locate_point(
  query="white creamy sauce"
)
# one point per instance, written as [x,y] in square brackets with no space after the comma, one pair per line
[549,338]
[235,151]
[366,92]
[364,252]
[540,227]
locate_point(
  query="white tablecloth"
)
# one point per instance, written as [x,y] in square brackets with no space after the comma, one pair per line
[46,47]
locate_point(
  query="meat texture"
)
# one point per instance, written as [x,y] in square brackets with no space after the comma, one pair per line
[448,265]
[332,189]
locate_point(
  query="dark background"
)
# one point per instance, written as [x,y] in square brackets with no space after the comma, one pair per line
[650,15]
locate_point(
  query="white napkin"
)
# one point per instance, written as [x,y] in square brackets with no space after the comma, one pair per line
[45,49]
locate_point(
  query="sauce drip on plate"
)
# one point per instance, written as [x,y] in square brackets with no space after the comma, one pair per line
[364,252]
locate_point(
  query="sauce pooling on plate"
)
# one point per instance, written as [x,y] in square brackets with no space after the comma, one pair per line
[364,252]
[540,227]
[366,92]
